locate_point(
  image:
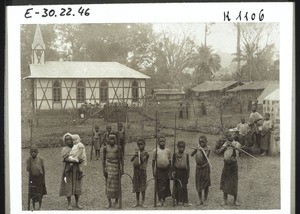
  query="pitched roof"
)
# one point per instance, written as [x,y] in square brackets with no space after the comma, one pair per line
[275,95]
[38,38]
[213,86]
[168,91]
[74,69]
[271,87]
[260,85]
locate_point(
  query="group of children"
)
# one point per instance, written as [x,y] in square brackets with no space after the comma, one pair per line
[165,167]
[256,133]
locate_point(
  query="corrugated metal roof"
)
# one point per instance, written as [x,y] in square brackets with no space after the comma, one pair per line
[213,86]
[268,90]
[261,85]
[73,69]
[168,91]
[275,95]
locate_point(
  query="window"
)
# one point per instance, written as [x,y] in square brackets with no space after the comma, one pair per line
[135,91]
[56,91]
[80,91]
[103,91]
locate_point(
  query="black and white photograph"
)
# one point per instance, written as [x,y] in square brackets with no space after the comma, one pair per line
[148,115]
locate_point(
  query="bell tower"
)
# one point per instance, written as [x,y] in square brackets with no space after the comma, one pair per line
[38,47]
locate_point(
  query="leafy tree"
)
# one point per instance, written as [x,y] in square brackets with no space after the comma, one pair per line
[256,55]
[205,62]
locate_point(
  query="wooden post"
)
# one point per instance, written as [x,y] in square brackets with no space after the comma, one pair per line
[119,160]
[155,178]
[173,201]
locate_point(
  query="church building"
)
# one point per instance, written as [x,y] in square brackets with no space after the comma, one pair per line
[69,84]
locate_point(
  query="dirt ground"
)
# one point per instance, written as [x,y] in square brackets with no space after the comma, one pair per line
[259,181]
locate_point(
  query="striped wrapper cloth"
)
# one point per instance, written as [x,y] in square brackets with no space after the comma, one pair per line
[112,181]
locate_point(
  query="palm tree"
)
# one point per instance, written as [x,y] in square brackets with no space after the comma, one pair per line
[205,62]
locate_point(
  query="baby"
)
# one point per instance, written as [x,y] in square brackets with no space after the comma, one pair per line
[77,154]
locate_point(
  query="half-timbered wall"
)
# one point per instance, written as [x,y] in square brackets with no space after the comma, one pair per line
[48,95]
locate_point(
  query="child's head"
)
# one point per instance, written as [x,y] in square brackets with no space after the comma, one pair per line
[181,146]
[120,126]
[242,120]
[229,138]
[67,138]
[202,141]
[141,144]
[108,129]
[96,128]
[253,108]
[76,139]
[162,141]
[267,116]
[236,138]
[112,139]
[34,151]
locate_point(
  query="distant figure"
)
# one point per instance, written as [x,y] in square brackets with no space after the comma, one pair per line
[180,110]
[202,169]
[203,108]
[187,109]
[96,141]
[267,127]
[140,163]
[36,169]
[181,173]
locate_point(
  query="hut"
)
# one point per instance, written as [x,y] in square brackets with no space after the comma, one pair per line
[168,94]
[213,89]
[251,91]
[271,105]
[69,84]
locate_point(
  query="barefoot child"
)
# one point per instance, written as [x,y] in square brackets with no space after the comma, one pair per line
[96,141]
[229,177]
[161,169]
[77,154]
[267,126]
[111,171]
[181,173]
[140,162]
[202,168]
[35,168]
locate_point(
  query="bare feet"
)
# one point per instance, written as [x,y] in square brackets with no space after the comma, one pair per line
[200,203]
[236,204]
[224,203]
[108,206]
[70,207]
[79,206]
[144,205]
[160,204]
[136,205]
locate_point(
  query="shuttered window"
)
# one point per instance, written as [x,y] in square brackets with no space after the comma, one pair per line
[103,91]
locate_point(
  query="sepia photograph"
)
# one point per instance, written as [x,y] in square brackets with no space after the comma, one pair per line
[150,116]
[149,108]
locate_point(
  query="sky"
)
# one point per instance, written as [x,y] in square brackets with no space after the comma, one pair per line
[222,37]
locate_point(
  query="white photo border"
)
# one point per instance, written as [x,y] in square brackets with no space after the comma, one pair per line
[139,13]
